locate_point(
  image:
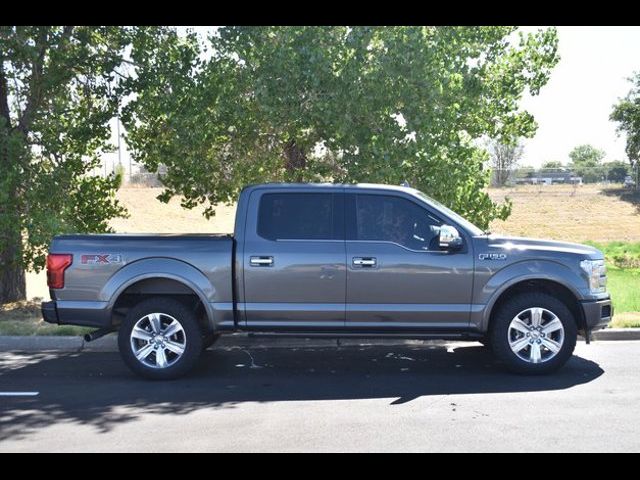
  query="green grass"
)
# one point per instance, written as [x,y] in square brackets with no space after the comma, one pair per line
[626,320]
[24,318]
[623,281]
[620,254]
[624,286]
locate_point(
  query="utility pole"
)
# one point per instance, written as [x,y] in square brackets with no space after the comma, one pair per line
[119,147]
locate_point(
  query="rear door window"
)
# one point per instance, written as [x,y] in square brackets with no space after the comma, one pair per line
[300,216]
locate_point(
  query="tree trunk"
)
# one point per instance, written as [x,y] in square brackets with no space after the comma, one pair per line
[12,282]
[13,286]
[295,161]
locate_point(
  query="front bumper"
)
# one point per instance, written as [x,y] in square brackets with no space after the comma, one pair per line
[597,313]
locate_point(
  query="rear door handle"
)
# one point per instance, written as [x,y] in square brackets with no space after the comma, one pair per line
[262,261]
[365,261]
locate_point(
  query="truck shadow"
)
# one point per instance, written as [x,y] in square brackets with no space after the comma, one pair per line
[96,389]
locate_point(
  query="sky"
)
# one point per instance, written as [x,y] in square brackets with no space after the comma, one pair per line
[574,107]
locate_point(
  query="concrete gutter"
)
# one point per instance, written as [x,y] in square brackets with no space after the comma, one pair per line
[244,340]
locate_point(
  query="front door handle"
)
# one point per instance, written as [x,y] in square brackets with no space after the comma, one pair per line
[365,261]
[262,261]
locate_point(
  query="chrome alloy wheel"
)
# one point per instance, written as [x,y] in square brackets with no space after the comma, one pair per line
[158,340]
[536,335]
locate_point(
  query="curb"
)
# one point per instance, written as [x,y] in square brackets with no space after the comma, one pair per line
[617,334]
[109,343]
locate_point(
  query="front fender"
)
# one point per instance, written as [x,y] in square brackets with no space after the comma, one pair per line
[160,268]
[490,290]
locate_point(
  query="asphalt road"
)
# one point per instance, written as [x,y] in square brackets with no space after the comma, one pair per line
[377,398]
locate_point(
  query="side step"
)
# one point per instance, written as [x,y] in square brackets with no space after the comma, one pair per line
[443,335]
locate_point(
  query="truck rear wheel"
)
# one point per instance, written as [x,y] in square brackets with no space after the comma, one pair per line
[533,333]
[160,339]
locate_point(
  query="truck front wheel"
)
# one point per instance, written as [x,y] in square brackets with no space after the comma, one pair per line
[160,339]
[533,333]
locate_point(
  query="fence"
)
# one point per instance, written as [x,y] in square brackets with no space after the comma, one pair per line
[619,174]
[135,175]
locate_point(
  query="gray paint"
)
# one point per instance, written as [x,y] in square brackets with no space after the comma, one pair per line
[314,284]
[304,275]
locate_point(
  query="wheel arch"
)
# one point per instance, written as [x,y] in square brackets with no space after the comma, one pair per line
[549,286]
[159,277]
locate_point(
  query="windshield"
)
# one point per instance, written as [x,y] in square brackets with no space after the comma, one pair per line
[470,227]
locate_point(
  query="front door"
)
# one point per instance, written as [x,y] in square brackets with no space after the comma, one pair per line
[294,259]
[397,277]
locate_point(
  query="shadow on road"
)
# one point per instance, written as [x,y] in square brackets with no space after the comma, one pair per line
[96,389]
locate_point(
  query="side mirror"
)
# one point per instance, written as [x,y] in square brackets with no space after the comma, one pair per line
[450,239]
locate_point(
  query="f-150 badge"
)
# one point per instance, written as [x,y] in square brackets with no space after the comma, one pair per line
[101,259]
[492,256]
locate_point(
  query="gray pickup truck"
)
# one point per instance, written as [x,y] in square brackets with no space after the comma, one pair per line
[334,261]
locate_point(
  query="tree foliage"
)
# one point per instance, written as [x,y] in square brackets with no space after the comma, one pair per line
[616,170]
[627,114]
[552,165]
[344,104]
[57,96]
[586,162]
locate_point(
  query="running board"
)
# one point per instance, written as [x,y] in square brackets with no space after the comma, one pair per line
[470,336]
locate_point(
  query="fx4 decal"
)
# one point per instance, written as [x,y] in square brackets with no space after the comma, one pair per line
[101,259]
[492,256]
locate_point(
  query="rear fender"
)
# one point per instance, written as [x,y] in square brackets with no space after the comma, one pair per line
[160,268]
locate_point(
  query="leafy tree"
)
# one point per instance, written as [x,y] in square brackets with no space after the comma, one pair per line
[616,171]
[627,114]
[504,159]
[586,162]
[334,103]
[525,172]
[552,165]
[57,95]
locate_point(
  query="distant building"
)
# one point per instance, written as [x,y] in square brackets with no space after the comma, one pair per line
[549,178]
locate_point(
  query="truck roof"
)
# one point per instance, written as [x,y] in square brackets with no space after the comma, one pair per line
[327,185]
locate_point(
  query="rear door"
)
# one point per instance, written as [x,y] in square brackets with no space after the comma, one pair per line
[294,259]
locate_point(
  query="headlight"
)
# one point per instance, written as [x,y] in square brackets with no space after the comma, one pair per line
[596,273]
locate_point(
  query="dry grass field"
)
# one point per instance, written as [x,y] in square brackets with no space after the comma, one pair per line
[563,212]
[147,214]
[559,212]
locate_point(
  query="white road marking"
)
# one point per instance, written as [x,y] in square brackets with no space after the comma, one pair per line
[19,394]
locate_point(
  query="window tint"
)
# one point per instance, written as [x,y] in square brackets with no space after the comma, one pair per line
[297,216]
[395,219]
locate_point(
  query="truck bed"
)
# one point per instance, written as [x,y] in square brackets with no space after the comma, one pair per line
[101,263]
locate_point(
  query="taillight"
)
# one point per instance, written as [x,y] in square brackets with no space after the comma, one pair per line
[57,263]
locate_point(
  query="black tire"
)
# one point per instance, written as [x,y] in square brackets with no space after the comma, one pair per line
[499,336]
[209,339]
[486,342]
[192,338]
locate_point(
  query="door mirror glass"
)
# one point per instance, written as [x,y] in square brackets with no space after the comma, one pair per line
[450,239]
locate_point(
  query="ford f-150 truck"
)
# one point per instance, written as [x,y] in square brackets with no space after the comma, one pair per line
[330,260]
